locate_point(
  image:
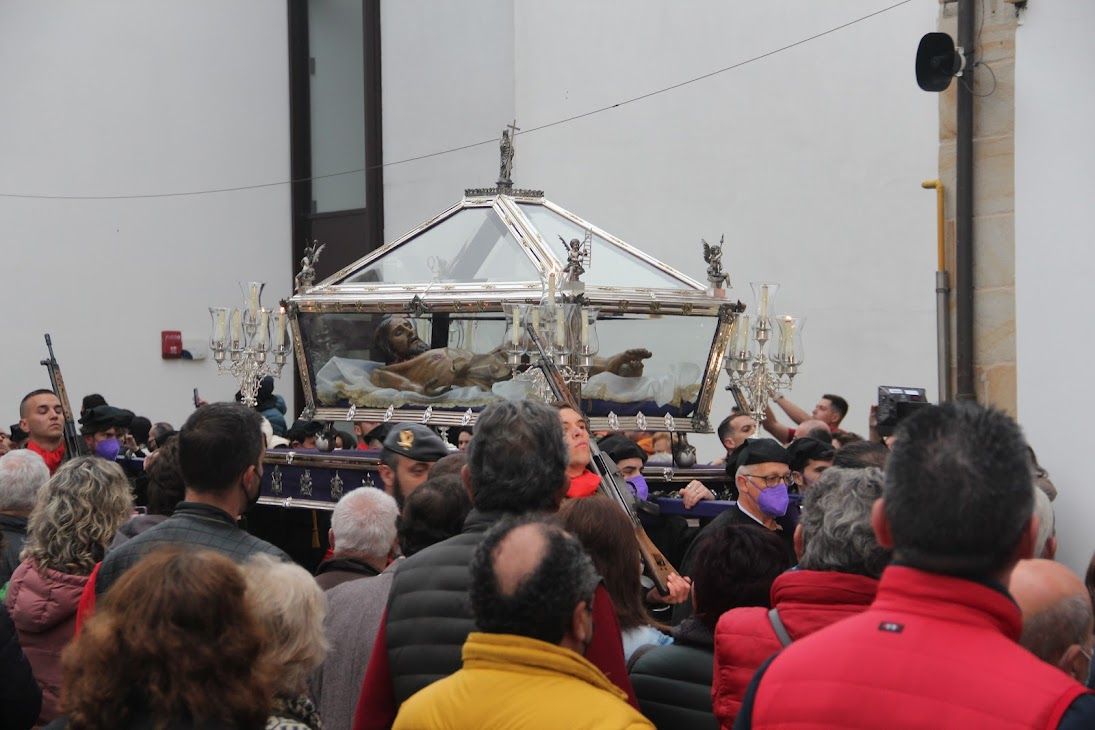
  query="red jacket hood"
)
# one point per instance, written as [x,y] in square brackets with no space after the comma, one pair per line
[812,599]
[39,600]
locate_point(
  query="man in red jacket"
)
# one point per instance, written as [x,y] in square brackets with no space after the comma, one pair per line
[839,564]
[937,648]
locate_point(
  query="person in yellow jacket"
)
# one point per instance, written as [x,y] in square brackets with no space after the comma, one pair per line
[532,589]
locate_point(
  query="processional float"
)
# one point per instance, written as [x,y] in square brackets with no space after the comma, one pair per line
[465,310]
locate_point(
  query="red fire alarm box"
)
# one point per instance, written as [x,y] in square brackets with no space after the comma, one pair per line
[171,344]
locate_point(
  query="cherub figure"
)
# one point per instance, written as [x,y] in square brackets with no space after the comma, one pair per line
[307,276]
[712,256]
[574,268]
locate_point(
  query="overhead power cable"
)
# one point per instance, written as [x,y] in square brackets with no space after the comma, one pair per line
[480,143]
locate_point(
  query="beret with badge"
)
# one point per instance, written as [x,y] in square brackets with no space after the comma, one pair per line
[416,442]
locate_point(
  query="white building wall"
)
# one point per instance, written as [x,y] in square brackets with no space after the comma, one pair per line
[810,161]
[120,98]
[1054,258]
[447,81]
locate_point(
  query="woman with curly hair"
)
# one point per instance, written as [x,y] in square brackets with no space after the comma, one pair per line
[175,643]
[290,607]
[78,511]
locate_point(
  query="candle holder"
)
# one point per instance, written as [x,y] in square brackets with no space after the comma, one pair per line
[788,356]
[241,341]
[764,297]
[753,372]
[567,334]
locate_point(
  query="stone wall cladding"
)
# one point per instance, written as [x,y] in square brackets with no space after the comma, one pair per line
[994,197]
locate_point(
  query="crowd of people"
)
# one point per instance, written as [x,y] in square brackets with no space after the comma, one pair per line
[488,581]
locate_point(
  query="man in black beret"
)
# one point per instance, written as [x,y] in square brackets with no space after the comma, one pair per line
[808,459]
[409,450]
[761,475]
[100,426]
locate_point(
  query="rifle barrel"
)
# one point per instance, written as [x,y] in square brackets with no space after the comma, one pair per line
[74,445]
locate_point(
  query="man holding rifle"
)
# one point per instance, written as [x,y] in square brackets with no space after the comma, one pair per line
[582,482]
[41,416]
[47,418]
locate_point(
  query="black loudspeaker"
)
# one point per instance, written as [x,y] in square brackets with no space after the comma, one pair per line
[936,62]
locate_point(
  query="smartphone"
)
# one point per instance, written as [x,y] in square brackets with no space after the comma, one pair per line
[197,399]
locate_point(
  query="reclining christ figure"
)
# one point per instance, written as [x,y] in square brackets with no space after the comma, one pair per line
[411,365]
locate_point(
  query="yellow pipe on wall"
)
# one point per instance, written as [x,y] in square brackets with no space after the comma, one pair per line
[940,252]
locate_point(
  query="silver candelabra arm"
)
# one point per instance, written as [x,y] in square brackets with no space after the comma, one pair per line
[565,334]
[755,375]
[249,366]
[241,342]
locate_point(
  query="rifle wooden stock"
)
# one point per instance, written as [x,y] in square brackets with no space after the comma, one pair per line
[614,486]
[656,563]
[612,483]
[74,443]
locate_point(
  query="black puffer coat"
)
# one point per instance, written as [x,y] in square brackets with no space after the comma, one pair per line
[20,696]
[673,683]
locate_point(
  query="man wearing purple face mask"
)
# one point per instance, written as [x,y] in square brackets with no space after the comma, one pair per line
[629,457]
[761,475]
[99,427]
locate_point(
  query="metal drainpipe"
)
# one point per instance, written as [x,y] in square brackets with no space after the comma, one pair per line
[942,297]
[964,208]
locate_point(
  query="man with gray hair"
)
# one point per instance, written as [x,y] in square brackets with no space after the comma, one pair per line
[1057,620]
[532,588]
[362,537]
[22,473]
[840,561]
